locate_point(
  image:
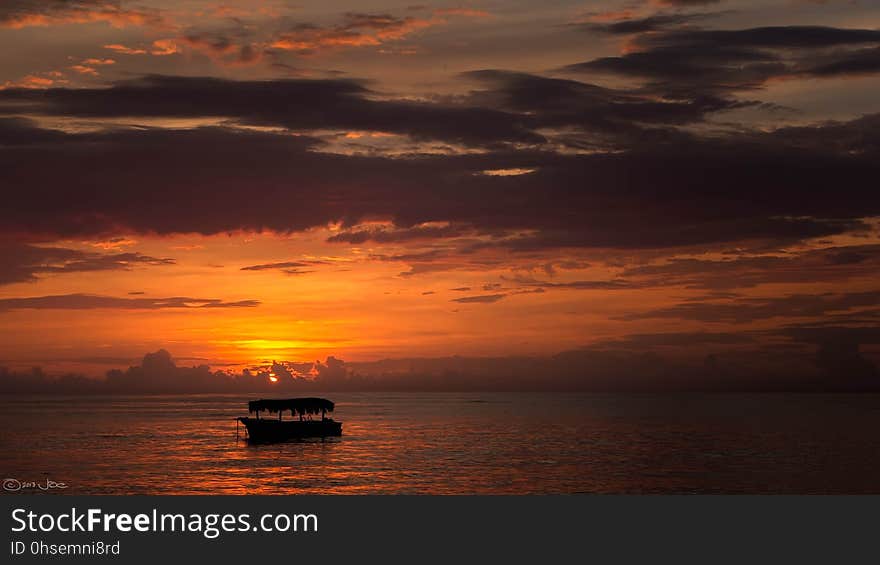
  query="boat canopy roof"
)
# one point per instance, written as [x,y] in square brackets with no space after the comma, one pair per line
[299,405]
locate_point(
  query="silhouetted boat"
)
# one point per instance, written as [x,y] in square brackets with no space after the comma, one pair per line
[267,430]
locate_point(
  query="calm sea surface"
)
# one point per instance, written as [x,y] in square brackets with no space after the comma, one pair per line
[453,443]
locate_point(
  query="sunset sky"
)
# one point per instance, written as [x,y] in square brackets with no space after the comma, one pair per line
[241,181]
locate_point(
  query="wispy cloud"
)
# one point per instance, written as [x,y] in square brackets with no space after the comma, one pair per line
[19,14]
[480,299]
[93,301]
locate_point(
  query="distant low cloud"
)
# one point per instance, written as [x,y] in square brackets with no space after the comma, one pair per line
[687,340]
[637,363]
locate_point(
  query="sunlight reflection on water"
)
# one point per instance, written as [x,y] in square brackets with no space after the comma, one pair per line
[452,443]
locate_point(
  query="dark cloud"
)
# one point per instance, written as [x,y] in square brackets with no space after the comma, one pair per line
[159,372]
[683,71]
[480,299]
[92,301]
[298,104]
[657,188]
[17,131]
[380,235]
[778,37]
[416,257]
[750,309]
[513,108]
[845,357]
[724,229]
[287,267]
[624,366]
[618,284]
[21,262]
[841,63]
[678,339]
[819,265]
[861,332]
[839,347]
[691,62]
[686,3]
[654,22]
[281,265]
[614,115]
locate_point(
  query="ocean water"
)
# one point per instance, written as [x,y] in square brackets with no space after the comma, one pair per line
[451,444]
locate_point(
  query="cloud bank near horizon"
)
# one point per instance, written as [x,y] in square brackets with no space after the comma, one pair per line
[823,359]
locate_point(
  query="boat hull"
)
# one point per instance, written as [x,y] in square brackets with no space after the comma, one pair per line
[266,430]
